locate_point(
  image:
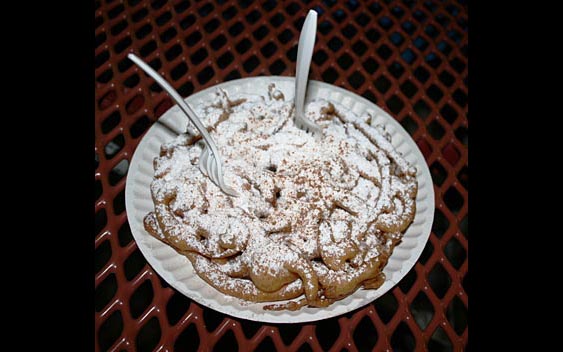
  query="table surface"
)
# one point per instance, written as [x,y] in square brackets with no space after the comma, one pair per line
[408,57]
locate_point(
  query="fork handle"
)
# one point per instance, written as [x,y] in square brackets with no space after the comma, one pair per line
[177,98]
[304,55]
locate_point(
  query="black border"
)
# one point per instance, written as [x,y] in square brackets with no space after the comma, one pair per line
[511,82]
[50,54]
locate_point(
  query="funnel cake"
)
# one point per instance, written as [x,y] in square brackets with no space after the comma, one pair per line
[314,217]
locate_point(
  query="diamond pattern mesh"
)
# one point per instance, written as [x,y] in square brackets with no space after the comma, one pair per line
[409,57]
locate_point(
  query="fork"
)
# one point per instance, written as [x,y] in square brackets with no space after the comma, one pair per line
[304,55]
[210,162]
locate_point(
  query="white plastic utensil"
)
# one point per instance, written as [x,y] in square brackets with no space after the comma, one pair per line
[304,55]
[209,162]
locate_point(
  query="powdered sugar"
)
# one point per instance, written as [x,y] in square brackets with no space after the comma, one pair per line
[300,198]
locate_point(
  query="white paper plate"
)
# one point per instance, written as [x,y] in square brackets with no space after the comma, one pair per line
[177,269]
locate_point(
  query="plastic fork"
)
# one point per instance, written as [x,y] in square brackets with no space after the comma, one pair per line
[209,161]
[304,55]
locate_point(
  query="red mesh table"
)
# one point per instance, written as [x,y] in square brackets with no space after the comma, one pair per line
[409,57]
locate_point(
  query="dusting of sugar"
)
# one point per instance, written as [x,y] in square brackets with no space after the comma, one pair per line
[296,193]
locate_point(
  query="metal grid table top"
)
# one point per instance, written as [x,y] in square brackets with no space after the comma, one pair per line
[408,57]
